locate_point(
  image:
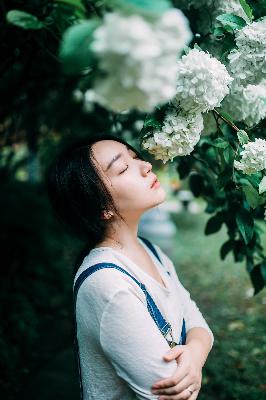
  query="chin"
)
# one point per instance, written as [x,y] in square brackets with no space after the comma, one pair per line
[161,196]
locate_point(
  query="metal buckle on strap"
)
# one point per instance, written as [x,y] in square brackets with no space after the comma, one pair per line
[171,343]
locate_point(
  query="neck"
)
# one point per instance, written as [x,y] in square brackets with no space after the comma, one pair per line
[122,234]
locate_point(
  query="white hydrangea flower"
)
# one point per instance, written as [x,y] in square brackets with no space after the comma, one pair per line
[247,62]
[202,82]
[247,104]
[179,135]
[253,157]
[138,59]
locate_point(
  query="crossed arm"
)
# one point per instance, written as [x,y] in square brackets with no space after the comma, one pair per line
[136,347]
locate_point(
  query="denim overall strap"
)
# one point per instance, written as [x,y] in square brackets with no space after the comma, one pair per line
[152,248]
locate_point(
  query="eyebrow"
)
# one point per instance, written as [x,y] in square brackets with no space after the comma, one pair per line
[116,157]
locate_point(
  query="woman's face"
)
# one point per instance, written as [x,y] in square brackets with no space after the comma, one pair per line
[127,177]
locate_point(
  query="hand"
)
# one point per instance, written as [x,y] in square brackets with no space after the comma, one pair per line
[188,375]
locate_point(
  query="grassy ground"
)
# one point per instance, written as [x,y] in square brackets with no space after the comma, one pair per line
[235,368]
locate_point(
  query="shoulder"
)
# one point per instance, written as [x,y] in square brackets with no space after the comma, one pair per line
[104,283]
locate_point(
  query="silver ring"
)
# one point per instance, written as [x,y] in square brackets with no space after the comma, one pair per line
[190,391]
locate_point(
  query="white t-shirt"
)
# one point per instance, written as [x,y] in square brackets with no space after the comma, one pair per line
[121,349]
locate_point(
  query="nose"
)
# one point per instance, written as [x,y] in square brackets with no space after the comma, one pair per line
[147,167]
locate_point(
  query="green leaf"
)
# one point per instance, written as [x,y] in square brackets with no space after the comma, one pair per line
[226,116]
[224,178]
[239,250]
[218,31]
[75,52]
[242,137]
[252,196]
[152,123]
[145,7]
[77,5]
[214,224]
[226,248]
[228,154]
[245,224]
[254,179]
[231,21]
[258,276]
[196,184]
[262,185]
[23,20]
[247,9]
[221,143]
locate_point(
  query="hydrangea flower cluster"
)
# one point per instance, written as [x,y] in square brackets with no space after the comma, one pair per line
[247,103]
[177,137]
[247,62]
[253,157]
[138,59]
[202,82]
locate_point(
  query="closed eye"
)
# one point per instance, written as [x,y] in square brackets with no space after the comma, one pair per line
[135,157]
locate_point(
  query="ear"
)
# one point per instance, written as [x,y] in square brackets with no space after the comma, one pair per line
[106,214]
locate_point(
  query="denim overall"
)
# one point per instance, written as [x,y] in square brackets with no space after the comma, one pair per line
[155,313]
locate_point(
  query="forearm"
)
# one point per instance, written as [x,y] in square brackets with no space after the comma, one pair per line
[200,341]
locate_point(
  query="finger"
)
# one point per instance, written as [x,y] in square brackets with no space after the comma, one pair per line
[184,384]
[185,395]
[172,380]
[174,353]
[181,371]
[175,389]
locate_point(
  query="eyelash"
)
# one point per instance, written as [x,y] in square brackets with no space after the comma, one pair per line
[127,166]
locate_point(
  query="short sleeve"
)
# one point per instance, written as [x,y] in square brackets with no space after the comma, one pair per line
[192,315]
[134,344]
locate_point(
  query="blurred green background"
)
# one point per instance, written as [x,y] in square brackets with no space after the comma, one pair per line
[37,327]
[38,114]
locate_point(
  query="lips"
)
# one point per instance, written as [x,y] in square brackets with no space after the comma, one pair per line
[154,181]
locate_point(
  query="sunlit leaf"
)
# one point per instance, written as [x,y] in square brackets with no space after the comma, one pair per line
[146,7]
[23,20]
[75,52]
[231,21]
[247,9]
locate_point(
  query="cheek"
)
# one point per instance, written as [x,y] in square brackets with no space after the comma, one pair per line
[127,187]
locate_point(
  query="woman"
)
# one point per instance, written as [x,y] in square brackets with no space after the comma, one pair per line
[100,187]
